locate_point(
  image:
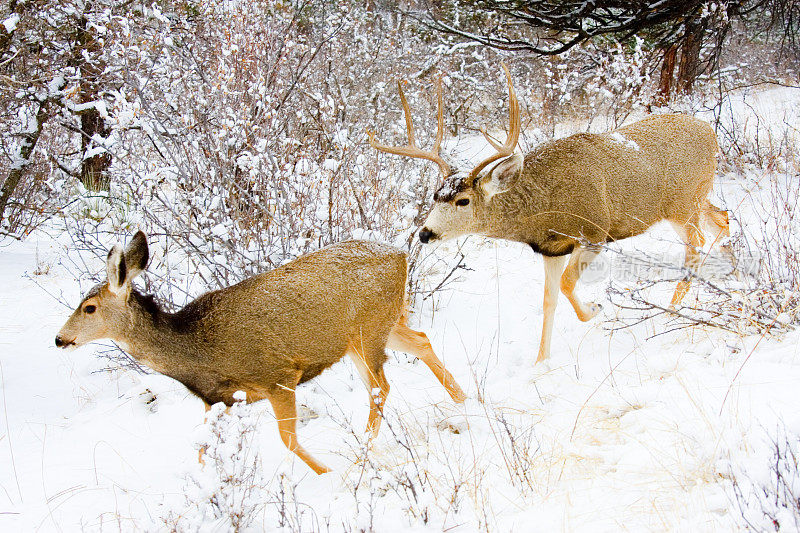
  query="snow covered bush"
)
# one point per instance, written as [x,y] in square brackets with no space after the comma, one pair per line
[618,83]
[768,494]
[228,489]
[238,135]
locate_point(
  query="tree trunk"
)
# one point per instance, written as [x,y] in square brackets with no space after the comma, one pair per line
[667,75]
[689,67]
[26,148]
[94,169]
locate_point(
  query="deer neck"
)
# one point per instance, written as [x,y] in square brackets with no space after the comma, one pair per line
[511,215]
[153,337]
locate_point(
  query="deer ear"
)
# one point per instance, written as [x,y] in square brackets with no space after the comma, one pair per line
[502,176]
[136,255]
[117,270]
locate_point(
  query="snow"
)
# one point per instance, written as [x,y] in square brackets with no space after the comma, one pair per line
[219,230]
[56,85]
[620,138]
[767,115]
[93,151]
[331,164]
[99,105]
[341,138]
[10,24]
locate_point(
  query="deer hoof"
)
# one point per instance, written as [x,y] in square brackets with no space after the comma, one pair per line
[592,309]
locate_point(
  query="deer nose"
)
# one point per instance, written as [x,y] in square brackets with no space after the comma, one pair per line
[425,235]
[61,343]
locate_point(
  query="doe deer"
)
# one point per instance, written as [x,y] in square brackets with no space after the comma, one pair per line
[268,333]
[570,195]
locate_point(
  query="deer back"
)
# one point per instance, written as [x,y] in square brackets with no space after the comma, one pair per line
[682,151]
[302,315]
[603,187]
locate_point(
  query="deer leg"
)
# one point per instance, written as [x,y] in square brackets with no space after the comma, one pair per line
[715,221]
[282,399]
[371,371]
[553,267]
[693,238]
[404,339]
[203,448]
[581,257]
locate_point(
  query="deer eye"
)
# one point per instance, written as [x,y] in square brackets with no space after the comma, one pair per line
[462,202]
[89,309]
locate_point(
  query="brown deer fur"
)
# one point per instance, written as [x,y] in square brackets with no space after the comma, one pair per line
[268,333]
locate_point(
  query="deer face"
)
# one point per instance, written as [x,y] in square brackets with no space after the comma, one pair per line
[105,310]
[453,212]
[97,317]
[462,204]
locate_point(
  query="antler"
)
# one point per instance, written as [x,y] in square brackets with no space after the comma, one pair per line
[514,125]
[411,150]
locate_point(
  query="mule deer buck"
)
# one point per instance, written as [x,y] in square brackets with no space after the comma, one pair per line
[570,195]
[268,333]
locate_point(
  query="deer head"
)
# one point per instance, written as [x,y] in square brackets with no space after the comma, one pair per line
[461,202]
[105,309]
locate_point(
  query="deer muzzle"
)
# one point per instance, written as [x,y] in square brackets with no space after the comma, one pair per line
[426,235]
[61,343]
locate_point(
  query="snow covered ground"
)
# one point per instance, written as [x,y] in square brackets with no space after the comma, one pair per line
[615,432]
[625,429]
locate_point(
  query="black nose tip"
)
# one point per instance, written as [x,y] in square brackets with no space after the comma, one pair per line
[60,342]
[425,235]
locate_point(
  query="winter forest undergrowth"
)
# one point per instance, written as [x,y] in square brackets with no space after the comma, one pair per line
[235,134]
